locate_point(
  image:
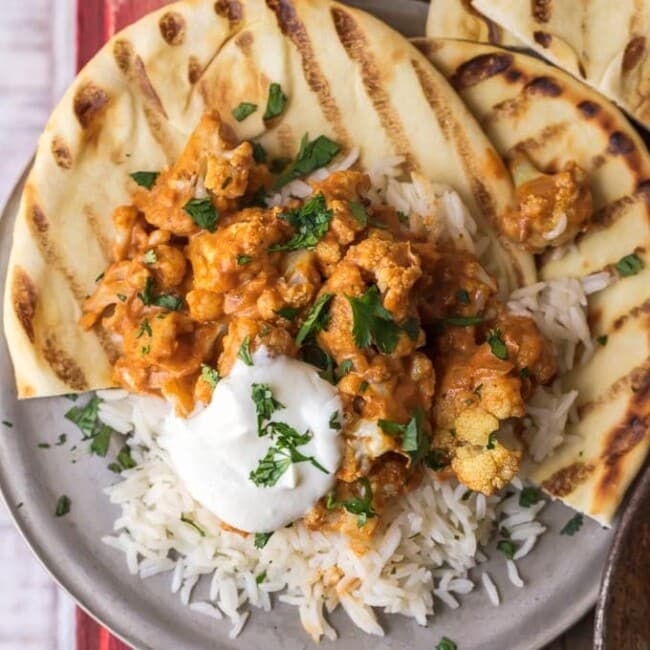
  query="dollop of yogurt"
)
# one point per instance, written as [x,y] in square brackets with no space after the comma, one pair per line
[215,450]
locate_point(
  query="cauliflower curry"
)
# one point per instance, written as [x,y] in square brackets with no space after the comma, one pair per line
[427,361]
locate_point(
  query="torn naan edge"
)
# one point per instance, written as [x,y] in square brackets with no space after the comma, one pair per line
[602,43]
[458,19]
[134,105]
[527,106]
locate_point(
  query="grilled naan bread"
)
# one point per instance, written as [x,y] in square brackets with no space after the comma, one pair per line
[602,42]
[458,19]
[527,106]
[134,105]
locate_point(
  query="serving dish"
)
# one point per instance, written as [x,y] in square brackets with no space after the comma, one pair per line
[560,574]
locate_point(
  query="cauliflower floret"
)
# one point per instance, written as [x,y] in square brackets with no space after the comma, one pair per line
[475,426]
[486,470]
[227,175]
[501,396]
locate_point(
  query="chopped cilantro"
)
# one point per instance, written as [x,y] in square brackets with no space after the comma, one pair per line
[372,323]
[121,297]
[361,506]
[124,458]
[243,110]
[71,396]
[101,440]
[436,459]
[43,445]
[191,522]
[144,328]
[363,386]
[498,347]
[412,328]
[245,351]
[491,440]
[203,213]
[463,321]
[115,467]
[335,421]
[602,340]
[311,221]
[504,532]
[278,165]
[446,644]
[391,427]
[415,440]
[146,295]
[243,259]
[145,349]
[629,265]
[276,102]
[145,179]
[507,547]
[262,539]
[287,312]
[265,405]
[462,296]
[312,155]
[403,217]
[150,257]
[573,525]
[344,368]
[259,579]
[7,423]
[317,318]
[62,506]
[259,152]
[100,277]
[168,301]
[467,495]
[529,496]
[359,213]
[316,356]
[524,372]
[85,417]
[62,439]
[209,375]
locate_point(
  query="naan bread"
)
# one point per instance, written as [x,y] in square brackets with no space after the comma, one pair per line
[347,76]
[526,105]
[602,42]
[458,19]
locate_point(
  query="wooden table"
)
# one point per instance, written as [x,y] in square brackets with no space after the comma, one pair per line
[37,54]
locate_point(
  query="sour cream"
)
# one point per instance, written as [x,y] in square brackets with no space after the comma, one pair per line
[215,450]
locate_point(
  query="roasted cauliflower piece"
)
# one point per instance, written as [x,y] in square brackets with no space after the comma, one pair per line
[227,175]
[486,470]
[474,426]
[553,208]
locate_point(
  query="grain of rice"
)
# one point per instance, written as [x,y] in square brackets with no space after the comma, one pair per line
[513,574]
[490,588]
[207,609]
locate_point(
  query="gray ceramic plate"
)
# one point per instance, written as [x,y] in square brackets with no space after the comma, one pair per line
[561,575]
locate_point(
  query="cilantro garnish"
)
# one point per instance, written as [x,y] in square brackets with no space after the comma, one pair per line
[115,467]
[344,368]
[573,525]
[316,356]
[498,347]
[124,458]
[312,155]
[203,213]
[463,321]
[412,328]
[243,259]
[145,179]
[121,297]
[245,351]
[276,102]
[8,424]
[363,386]
[259,579]
[462,295]
[504,532]
[446,644]
[466,496]
[62,439]
[491,440]
[361,506]
[259,152]
[168,301]
[372,322]
[359,213]
[243,110]
[209,375]
[311,221]
[85,417]
[143,328]
[191,522]
[100,277]
[414,439]
[529,496]
[43,445]
[265,405]
[403,217]
[436,459]
[507,547]
[150,257]
[62,506]
[101,440]
[146,295]
[524,373]
[629,265]
[262,539]
[602,340]
[335,421]
[317,318]
[287,312]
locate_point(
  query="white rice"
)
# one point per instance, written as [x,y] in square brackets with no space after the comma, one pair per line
[490,589]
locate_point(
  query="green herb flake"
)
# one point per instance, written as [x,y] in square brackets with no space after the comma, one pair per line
[209,375]
[391,427]
[62,506]
[492,439]
[193,524]
[145,349]
[203,213]
[504,532]
[316,356]
[312,155]
[415,440]
[242,260]
[146,295]
[101,441]
[317,318]
[573,525]
[150,257]
[287,312]
[463,321]
[462,296]
[100,277]
[466,496]
[446,644]
[121,297]
[498,347]
[359,213]
[335,421]
[143,328]
[403,217]
[372,322]
[259,153]
[311,222]
[85,417]
[602,340]
[524,372]
[265,405]
[124,458]
[43,445]
[145,179]
[259,579]
[262,539]
[276,102]
[412,328]
[529,496]
[345,367]
[362,506]
[63,438]
[8,424]
[168,301]
[115,467]
[629,265]
[245,351]
[243,110]
[507,547]
[436,459]
[278,165]
[363,386]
